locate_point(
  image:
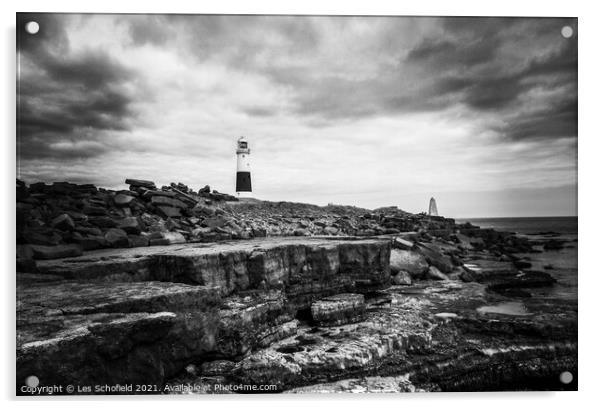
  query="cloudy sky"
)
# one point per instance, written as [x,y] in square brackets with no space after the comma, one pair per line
[480,113]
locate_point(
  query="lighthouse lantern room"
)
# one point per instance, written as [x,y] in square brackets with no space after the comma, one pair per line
[243,168]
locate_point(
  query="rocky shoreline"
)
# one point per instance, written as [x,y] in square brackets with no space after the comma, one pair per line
[171,288]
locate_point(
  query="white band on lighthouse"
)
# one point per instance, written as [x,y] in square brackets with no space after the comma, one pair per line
[243,168]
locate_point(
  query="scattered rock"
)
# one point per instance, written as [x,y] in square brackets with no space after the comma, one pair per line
[553,244]
[401,278]
[218,367]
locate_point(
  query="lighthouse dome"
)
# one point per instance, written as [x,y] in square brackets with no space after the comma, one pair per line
[242,145]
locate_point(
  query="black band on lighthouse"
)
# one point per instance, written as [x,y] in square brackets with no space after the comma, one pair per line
[243,181]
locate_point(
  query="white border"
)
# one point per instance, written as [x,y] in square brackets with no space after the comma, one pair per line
[589,186]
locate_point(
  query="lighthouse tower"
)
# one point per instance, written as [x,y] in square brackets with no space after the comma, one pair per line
[243,168]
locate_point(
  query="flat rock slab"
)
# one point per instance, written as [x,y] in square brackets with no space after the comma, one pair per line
[301,264]
[74,267]
[76,298]
[488,270]
[338,309]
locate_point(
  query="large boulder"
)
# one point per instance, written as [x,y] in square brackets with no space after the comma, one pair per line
[63,222]
[434,257]
[117,238]
[52,252]
[214,222]
[331,230]
[94,210]
[168,201]
[410,261]
[123,200]
[168,211]
[92,242]
[42,237]
[138,241]
[403,244]
[140,183]
[203,210]
[174,237]
[433,273]
[102,221]
[166,238]
[130,225]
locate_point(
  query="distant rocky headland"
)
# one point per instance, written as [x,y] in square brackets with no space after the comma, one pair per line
[171,287]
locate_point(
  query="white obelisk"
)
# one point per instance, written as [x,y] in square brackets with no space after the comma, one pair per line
[433,207]
[243,168]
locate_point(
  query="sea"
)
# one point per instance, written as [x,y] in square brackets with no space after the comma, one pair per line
[527,225]
[561,264]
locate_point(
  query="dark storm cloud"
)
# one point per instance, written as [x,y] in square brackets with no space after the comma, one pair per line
[244,41]
[467,62]
[91,70]
[553,121]
[498,90]
[67,100]
[483,64]
[448,53]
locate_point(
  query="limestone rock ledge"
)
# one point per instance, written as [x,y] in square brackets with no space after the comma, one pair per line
[142,315]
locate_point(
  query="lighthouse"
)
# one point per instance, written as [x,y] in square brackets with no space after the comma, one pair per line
[243,168]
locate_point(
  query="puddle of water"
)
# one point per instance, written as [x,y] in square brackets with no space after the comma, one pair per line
[507,308]
[446,315]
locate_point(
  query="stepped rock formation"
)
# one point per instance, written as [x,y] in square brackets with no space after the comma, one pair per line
[140,316]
